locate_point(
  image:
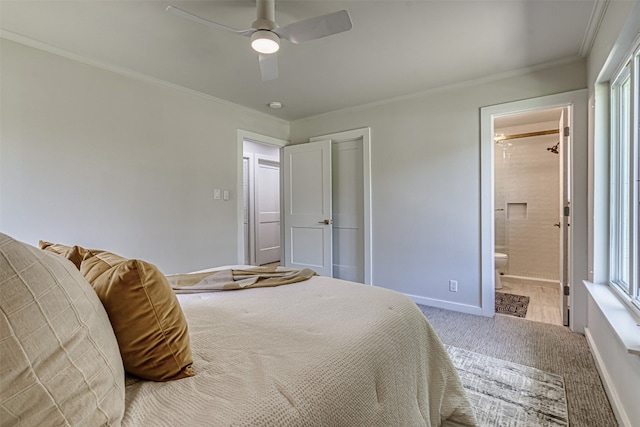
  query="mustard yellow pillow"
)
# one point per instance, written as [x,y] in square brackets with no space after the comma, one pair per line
[95,263]
[145,314]
[72,253]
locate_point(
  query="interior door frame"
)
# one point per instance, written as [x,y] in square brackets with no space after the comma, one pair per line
[350,135]
[565,204]
[241,136]
[248,240]
[578,243]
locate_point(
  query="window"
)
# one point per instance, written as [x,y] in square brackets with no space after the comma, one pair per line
[625,162]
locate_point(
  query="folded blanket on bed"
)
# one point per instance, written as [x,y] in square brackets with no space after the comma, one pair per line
[227,280]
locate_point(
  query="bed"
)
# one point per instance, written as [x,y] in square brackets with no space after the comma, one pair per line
[320,352]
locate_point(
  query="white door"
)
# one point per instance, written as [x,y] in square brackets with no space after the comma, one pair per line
[348,210]
[307,207]
[565,203]
[267,209]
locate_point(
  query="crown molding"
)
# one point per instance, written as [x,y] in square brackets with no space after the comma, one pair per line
[597,14]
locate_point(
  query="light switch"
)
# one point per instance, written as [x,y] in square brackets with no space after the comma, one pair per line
[216,194]
[225,194]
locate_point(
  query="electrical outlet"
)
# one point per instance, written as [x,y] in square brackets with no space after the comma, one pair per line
[453,286]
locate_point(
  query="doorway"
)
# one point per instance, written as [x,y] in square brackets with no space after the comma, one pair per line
[575,265]
[261,210]
[258,201]
[529,196]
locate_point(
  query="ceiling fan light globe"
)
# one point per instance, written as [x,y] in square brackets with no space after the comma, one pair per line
[263,41]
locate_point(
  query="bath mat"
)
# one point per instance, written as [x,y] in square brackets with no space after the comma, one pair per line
[513,305]
[504,393]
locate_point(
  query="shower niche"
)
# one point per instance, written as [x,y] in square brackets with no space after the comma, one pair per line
[517,210]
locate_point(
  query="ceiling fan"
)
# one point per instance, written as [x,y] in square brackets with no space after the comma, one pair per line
[265,34]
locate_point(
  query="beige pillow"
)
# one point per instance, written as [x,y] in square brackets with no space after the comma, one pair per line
[151,329]
[60,359]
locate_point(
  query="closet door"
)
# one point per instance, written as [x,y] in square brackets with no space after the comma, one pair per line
[307,207]
[348,210]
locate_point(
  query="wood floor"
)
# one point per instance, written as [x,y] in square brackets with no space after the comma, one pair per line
[544,302]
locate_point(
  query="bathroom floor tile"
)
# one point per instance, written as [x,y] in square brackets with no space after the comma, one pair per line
[544,302]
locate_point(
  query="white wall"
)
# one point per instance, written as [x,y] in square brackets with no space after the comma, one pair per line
[425,160]
[107,161]
[620,370]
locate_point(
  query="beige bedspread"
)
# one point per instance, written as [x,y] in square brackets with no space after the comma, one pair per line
[236,279]
[322,352]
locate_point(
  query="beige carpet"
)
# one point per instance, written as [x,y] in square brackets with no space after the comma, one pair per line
[550,348]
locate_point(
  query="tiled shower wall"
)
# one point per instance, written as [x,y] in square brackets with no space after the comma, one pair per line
[527,202]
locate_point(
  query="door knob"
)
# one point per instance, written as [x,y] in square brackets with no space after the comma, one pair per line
[325,222]
[557,224]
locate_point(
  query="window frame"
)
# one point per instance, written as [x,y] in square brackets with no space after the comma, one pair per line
[635,136]
[624,279]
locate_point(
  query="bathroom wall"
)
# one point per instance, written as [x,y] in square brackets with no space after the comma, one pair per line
[527,200]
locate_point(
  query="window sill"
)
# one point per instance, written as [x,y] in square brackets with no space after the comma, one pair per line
[620,317]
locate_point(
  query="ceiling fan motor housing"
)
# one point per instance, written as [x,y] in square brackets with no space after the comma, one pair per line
[265,10]
[264,24]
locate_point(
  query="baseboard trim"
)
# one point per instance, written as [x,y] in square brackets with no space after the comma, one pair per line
[609,388]
[447,305]
[554,284]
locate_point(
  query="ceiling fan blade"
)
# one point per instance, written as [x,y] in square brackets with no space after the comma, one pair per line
[316,28]
[186,15]
[268,66]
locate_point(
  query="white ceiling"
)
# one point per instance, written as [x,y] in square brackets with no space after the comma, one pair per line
[527,118]
[395,48]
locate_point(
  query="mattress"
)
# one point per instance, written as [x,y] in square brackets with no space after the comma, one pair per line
[323,352]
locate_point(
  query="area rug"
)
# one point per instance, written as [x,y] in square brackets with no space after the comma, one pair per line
[513,305]
[508,394]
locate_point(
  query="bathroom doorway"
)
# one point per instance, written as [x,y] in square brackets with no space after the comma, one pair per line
[529,197]
[573,150]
